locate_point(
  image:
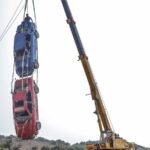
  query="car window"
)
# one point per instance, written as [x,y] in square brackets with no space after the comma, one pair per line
[19,103]
[21,114]
[28,41]
[20,53]
[19,88]
[29,102]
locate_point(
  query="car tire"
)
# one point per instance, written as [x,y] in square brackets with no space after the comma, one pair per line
[36,34]
[36,65]
[38,125]
[36,89]
[33,136]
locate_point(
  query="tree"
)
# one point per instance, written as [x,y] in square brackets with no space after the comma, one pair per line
[34,148]
[45,148]
[8,144]
[56,148]
[16,148]
[71,148]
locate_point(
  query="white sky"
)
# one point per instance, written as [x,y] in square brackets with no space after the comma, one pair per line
[116,36]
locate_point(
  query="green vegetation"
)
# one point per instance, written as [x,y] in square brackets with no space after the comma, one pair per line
[7,145]
[45,148]
[13,143]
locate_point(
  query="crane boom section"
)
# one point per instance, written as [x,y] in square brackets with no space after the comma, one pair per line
[73,27]
[100,109]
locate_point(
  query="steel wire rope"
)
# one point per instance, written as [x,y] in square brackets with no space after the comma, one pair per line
[1,38]
[23,67]
[11,19]
[36,37]
[106,110]
[28,67]
[111,124]
[5,32]
[34,12]
[17,127]
[25,8]
[24,127]
[37,76]
[12,77]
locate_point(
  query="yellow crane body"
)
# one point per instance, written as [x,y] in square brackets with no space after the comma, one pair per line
[109,140]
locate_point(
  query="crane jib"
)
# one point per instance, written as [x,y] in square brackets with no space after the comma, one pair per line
[73,28]
[87,69]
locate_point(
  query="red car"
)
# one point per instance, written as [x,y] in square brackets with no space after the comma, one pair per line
[25,108]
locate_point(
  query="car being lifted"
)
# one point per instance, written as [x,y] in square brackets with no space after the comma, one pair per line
[25,48]
[25,108]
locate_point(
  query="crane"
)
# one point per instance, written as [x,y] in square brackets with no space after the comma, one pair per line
[109,140]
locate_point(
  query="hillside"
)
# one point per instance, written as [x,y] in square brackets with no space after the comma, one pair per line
[13,143]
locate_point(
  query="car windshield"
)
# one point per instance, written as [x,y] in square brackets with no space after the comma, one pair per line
[19,103]
[19,88]
[28,39]
[22,116]
[21,54]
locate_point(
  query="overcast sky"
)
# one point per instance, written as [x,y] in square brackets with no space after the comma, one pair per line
[116,37]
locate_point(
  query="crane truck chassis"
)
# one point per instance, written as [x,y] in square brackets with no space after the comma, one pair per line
[109,140]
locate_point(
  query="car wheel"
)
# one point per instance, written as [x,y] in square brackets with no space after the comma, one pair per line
[36,64]
[33,136]
[36,34]
[37,132]
[38,125]
[36,89]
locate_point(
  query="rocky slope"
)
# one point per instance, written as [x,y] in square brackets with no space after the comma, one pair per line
[13,143]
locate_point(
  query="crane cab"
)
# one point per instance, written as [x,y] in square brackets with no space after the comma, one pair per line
[25,48]
[25,108]
[110,141]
